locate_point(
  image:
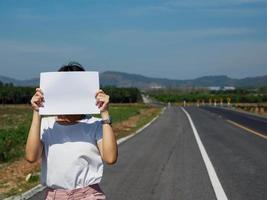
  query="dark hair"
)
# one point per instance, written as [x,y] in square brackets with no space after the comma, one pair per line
[71,66]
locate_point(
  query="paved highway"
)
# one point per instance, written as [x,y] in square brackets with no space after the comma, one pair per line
[165,162]
[238,156]
[253,122]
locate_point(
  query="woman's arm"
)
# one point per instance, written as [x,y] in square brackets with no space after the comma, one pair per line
[34,145]
[108,145]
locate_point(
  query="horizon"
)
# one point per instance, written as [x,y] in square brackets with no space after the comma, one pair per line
[173,39]
[36,77]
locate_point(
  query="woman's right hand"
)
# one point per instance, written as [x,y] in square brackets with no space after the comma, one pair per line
[37,99]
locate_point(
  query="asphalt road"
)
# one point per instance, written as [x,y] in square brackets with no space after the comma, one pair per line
[251,121]
[239,157]
[163,162]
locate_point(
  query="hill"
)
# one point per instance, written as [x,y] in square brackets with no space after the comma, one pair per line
[120,79]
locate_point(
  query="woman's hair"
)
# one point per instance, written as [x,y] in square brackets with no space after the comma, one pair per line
[71,66]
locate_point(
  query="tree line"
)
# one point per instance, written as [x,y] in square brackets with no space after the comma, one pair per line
[10,94]
[236,96]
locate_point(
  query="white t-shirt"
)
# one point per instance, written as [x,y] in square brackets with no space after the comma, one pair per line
[70,157]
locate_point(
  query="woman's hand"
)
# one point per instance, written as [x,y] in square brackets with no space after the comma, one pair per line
[102,101]
[37,99]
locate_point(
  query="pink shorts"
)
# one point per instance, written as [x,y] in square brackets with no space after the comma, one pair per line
[92,192]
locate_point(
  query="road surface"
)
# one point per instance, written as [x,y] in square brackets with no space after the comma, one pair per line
[253,122]
[164,161]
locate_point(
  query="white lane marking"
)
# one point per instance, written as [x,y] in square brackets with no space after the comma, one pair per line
[124,139]
[244,114]
[217,187]
[247,129]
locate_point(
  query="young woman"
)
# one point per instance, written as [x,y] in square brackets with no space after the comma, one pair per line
[72,148]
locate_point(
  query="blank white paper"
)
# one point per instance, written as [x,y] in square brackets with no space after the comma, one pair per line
[69,93]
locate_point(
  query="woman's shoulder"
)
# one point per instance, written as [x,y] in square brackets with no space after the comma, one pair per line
[47,121]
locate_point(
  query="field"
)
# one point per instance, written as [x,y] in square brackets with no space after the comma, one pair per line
[15,121]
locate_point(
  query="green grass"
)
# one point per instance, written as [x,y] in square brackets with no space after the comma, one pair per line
[120,112]
[14,125]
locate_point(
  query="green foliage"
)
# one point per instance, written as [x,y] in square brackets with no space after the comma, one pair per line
[123,112]
[237,96]
[14,125]
[10,94]
[123,95]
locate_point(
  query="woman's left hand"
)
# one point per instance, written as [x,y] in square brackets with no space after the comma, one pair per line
[102,101]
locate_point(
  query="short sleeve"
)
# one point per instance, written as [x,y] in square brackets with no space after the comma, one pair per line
[99,131]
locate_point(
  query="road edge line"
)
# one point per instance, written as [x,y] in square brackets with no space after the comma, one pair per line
[124,139]
[216,184]
[247,129]
[30,193]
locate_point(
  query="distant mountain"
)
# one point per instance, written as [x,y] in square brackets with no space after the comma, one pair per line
[121,79]
[133,80]
[29,82]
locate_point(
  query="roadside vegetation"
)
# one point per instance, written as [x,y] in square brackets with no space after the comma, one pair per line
[203,95]
[10,94]
[253,100]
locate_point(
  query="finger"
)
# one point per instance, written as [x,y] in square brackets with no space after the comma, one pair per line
[103,106]
[99,94]
[97,103]
[39,94]
[101,100]
[99,91]
[98,100]
[35,106]
[100,106]
[39,103]
[37,98]
[39,90]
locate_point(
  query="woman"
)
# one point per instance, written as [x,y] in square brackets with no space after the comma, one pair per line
[72,148]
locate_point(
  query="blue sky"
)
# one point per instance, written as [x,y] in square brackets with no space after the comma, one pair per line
[178,39]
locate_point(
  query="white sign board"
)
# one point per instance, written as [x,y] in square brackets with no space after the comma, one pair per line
[69,93]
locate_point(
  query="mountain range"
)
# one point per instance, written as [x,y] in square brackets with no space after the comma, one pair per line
[121,79]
